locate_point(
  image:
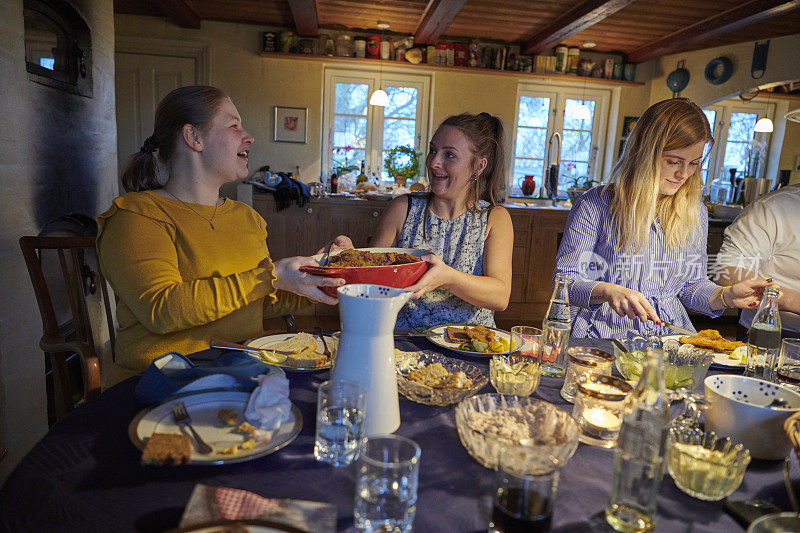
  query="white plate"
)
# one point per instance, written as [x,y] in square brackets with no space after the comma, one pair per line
[720,359]
[204,408]
[437,335]
[266,342]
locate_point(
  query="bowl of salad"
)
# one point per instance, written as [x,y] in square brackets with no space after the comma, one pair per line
[685,366]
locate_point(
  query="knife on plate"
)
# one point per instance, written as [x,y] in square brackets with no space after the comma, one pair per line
[682,331]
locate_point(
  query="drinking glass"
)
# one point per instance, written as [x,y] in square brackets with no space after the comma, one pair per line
[386,488]
[584,361]
[341,406]
[789,363]
[525,340]
[526,489]
[553,349]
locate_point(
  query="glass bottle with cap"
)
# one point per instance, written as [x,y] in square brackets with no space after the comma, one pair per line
[764,338]
[640,455]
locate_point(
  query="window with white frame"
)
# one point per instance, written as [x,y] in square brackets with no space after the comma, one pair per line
[736,144]
[540,114]
[357,131]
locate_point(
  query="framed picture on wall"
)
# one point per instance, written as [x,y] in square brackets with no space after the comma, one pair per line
[627,125]
[290,124]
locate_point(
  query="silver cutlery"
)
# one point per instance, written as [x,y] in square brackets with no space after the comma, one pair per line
[182,418]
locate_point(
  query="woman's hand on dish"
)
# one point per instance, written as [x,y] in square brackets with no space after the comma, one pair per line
[627,302]
[342,242]
[437,275]
[746,294]
[289,278]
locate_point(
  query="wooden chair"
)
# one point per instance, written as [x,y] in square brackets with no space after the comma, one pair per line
[61,341]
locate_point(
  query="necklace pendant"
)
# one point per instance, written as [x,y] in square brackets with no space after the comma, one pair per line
[211,224]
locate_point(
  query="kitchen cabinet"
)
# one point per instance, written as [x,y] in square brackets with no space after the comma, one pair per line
[304,230]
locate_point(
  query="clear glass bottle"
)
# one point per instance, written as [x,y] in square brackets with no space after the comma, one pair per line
[640,455]
[764,338]
[555,330]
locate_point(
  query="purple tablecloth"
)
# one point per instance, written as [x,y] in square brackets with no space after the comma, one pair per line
[85,475]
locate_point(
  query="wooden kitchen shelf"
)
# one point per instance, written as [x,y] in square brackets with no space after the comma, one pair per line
[388,64]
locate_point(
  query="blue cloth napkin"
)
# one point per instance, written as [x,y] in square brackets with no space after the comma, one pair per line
[173,373]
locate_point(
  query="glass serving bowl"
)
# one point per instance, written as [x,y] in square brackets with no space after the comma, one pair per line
[406,362]
[514,374]
[703,465]
[486,423]
[685,366]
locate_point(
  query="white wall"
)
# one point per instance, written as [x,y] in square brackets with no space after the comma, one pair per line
[57,155]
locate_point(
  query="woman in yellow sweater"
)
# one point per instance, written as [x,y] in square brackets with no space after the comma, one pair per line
[187,264]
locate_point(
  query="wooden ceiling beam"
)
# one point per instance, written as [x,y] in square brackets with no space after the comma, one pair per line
[435,19]
[304,13]
[180,13]
[740,16]
[584,15]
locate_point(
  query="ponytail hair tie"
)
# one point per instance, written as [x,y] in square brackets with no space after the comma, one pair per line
[149,146]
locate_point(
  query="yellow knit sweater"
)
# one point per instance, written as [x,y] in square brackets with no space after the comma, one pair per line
[180,281]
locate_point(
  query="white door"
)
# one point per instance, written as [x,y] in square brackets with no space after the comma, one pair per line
[141,81]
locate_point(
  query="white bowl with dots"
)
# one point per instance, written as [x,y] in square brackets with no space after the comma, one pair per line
[742,408]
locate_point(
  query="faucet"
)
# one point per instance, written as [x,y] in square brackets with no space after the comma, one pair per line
[551,170]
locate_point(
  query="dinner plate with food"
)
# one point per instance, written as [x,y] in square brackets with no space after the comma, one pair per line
[391,267]
[727,354]
[472,340]
[218,417]
[302,352]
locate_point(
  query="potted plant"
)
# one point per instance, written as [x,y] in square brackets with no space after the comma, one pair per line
[580,185]
[402,163]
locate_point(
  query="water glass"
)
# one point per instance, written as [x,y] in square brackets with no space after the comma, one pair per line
[553,348]
[386,488]
[525,340]
[789,363]
[526,490]
[341,406]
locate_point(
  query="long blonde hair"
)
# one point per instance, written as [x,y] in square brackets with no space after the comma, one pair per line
[635,179]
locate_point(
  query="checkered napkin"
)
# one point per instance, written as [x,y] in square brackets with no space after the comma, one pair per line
[209,504]
[240,504]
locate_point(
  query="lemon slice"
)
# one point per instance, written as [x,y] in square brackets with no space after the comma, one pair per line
[272,357]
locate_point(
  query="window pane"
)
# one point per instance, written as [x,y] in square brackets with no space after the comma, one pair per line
[343,157]
[711,116]
[534,111]
[522,167]
[402,102]
[741,128]
[736,155]
[351,98]
[398,132]
[570,108]
[577,145]
[531,142]
[349,132]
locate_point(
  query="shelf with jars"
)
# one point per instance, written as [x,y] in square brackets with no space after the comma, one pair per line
[604,82]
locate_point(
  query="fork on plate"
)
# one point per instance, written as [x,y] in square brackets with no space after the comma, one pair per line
[182,418]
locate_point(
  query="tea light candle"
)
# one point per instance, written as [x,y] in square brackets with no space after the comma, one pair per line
[597,421]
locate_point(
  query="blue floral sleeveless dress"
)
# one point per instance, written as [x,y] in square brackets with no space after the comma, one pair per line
[459,243]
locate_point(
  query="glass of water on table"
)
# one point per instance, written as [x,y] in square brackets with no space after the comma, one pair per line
[386,486]
[789,363]
[340,421]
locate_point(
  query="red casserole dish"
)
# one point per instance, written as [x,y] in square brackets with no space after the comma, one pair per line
[397,276]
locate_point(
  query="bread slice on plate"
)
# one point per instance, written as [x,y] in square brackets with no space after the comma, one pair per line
[305,360]
[167,449]
[301,342]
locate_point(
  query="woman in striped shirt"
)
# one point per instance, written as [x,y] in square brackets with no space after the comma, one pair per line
[635,249]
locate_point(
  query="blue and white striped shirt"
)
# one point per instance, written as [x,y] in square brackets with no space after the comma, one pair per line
[671,278]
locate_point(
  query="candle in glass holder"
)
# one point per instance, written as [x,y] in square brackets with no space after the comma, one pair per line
[583,361]
[598,408]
